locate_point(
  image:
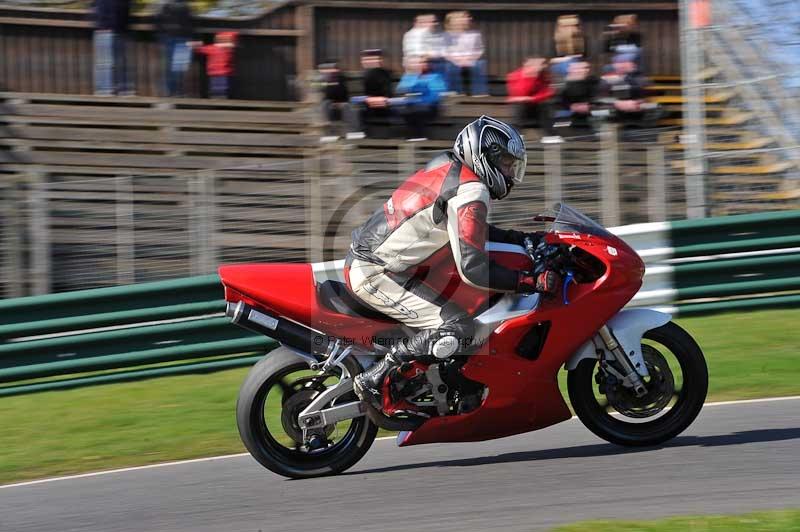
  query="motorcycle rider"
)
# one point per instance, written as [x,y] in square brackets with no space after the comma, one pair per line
[445,204]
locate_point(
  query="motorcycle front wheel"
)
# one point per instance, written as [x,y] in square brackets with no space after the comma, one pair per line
[677,388]
[272,396]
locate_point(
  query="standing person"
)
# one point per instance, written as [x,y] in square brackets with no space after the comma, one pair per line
[623,37]
[111,20]
[415,39]
[375,102]
[570,44]
[423,90]
[174,27]
[219,63]
[464,53]
[531,94]
[435,48]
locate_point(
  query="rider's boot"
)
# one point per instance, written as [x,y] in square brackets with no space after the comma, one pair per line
[369,384]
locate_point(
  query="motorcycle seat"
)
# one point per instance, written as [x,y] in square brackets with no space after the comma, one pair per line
[335,296]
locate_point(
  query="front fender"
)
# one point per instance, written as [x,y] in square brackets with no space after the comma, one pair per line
[628,326]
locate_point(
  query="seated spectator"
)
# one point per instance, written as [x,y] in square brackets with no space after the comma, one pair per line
[219,63]
[577,97]
[623,37]
[464,54]
[375,103]
[425,40]
[422,90]
[570,45]
[334,91]
[622,92]
[531,94]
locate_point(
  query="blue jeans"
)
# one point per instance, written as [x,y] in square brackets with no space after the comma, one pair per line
[476,74]
[110,63]
[177,57]
[218,87]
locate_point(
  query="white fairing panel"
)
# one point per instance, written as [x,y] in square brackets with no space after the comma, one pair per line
[628,326]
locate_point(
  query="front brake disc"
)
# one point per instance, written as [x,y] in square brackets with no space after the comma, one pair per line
[660,389]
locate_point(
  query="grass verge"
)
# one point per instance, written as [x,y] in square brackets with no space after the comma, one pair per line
[117,425]
[777,521]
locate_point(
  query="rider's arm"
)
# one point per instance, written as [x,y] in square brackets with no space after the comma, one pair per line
[467,228]
[510,236]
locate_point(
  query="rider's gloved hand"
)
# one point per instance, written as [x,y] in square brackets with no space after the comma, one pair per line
[545,283]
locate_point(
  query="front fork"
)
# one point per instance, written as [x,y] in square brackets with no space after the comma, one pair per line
[629,376]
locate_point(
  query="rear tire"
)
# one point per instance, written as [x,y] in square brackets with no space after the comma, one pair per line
[263,446]
[689,402]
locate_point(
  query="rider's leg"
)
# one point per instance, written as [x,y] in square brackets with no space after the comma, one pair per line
[445,329]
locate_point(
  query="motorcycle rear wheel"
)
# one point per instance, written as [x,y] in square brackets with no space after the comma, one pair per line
[630,427]
[266,437]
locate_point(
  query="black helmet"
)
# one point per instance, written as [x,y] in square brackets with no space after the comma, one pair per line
[495,152]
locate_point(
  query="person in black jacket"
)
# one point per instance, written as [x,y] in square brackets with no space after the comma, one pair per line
[174,28]
[375,103]
[111,19]
[578,95]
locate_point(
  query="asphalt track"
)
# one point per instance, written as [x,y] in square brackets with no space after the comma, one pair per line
[735,458]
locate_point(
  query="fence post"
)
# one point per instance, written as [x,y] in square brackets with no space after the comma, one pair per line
[407,159]
[39,229]
[609,175]
[126,254]
[314,215]
[201,191]
[553,174]
[656,184]
[13,260]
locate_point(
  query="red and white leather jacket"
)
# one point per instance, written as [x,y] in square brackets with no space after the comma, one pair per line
[444,204]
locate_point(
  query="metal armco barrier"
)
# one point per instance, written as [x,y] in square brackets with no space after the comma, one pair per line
[177,327]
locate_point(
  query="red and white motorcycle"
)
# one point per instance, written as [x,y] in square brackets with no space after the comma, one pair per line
[634,377]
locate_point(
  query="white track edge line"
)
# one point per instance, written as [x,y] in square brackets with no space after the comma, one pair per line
[239,455]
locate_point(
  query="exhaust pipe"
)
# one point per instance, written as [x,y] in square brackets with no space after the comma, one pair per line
[285,331]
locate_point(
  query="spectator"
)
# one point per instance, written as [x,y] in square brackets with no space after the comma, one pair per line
[464,52]
[623,37]
[415,39]
[622,91]
[334,93]
[219,63]
[425,40]
[435,48]
[422,89]
[174,27]
[570,44]
[375,103]
[577,96]
[531,94]
[111,19]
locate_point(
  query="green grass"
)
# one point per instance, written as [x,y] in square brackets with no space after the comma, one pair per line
[109,426]
[778,521]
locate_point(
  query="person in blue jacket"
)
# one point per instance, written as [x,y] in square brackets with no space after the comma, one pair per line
[422,90]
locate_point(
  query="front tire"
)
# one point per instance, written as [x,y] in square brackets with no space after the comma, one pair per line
[595,414]
[268,444]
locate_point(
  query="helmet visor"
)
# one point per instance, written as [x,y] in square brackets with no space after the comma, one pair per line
[512,168]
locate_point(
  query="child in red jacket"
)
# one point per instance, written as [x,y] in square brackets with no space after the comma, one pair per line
[530,92]
[219,62]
